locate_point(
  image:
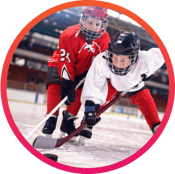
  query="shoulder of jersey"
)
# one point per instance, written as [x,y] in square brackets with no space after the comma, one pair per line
[144,58]
[100,58]
[103,38]
[143,55]
[71,30]
[106,34]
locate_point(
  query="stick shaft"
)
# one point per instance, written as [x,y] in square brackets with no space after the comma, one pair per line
[114,100]
[45,143]
[60,142]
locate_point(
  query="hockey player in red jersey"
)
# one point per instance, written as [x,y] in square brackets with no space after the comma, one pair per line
[78,46]
[125,64]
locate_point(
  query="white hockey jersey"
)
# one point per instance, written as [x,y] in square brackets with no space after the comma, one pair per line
[96,87]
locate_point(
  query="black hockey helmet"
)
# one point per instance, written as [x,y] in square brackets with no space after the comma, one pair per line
[123,43]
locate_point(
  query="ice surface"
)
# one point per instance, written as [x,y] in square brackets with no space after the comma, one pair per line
[114,137]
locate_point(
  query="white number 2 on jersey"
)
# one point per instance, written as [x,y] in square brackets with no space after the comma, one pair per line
[65,55]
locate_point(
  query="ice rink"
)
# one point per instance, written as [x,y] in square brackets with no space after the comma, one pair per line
[114,137]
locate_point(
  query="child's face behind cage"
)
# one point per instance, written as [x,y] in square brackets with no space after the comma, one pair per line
[121,61]
[93,24]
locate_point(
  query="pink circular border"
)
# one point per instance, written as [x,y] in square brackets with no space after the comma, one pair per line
[75,169]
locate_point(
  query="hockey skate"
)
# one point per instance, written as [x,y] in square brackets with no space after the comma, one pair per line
[85,134]
[50,126]
[155,127]
[68,125]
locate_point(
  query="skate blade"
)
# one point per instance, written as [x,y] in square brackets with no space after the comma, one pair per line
[82,140]
[49,136]
[73,139]
[63,135]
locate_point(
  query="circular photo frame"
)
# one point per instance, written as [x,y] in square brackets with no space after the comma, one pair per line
[9,115]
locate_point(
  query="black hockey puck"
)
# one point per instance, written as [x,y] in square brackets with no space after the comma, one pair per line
[51,156]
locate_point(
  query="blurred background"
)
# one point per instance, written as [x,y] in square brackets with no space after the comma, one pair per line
[28,68]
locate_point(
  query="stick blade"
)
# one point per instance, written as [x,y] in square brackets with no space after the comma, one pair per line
[44,143]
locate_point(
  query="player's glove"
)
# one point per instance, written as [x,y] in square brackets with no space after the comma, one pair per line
[90,110]
[68,89]
[145,78]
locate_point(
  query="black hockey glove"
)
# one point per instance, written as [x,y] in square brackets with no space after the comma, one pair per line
[145,78]
[68,89]
[90,110]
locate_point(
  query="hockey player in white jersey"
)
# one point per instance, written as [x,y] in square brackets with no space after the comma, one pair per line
[125,65]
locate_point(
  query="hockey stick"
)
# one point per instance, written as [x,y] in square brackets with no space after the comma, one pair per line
[52,112]
[49,143]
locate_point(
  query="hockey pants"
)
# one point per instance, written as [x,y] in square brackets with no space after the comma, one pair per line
[147,106]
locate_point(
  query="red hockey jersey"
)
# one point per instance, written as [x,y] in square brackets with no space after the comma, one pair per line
[75,54]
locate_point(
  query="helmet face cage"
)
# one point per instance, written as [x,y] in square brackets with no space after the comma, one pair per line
[93,14]
[120,71]
[126,44]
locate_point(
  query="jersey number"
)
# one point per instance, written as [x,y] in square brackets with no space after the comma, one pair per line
[64,56]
